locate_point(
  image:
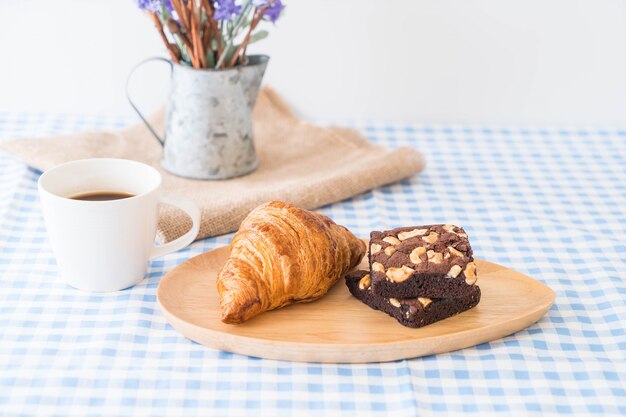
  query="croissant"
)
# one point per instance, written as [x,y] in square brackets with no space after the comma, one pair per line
[281,255]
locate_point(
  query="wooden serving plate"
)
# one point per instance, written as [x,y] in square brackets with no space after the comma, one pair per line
[338,327]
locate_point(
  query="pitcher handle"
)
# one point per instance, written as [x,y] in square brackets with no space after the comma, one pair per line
[132,104]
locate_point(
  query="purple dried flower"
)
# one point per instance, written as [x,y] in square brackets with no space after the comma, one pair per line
[226,9]
[149,5]
[274,10]
[156,5]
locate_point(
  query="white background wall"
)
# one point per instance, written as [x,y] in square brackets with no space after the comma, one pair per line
[526,61]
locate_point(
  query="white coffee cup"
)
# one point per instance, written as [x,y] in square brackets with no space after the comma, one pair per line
[106,245]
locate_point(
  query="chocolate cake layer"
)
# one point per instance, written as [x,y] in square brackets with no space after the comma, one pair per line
[433,261]
[414,312]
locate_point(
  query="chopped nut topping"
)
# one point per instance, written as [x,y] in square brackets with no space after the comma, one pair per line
[394,302]
[455,252]
[392,240]
[390,250]
[434,257]
[431,237]
[412,233]
[416,253]
[424,301]
[375,248]
[365,282]
[378,267]
[450,228]
[470,273]
[454,271]
[399,274]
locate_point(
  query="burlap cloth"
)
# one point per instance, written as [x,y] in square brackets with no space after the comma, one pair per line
[300,163]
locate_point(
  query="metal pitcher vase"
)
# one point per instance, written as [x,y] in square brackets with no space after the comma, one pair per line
[208,119]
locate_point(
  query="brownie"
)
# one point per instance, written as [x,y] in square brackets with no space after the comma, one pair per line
[412,312]
[423,261]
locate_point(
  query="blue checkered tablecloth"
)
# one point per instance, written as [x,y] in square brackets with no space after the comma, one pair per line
[548,202]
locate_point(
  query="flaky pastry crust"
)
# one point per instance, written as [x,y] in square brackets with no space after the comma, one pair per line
[281,255]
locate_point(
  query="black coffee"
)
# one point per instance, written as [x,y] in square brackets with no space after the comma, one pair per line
[102,196]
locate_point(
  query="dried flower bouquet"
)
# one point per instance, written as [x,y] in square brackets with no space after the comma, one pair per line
[210,33]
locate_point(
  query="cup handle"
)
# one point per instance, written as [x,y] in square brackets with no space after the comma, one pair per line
[192,211]
[134,106]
